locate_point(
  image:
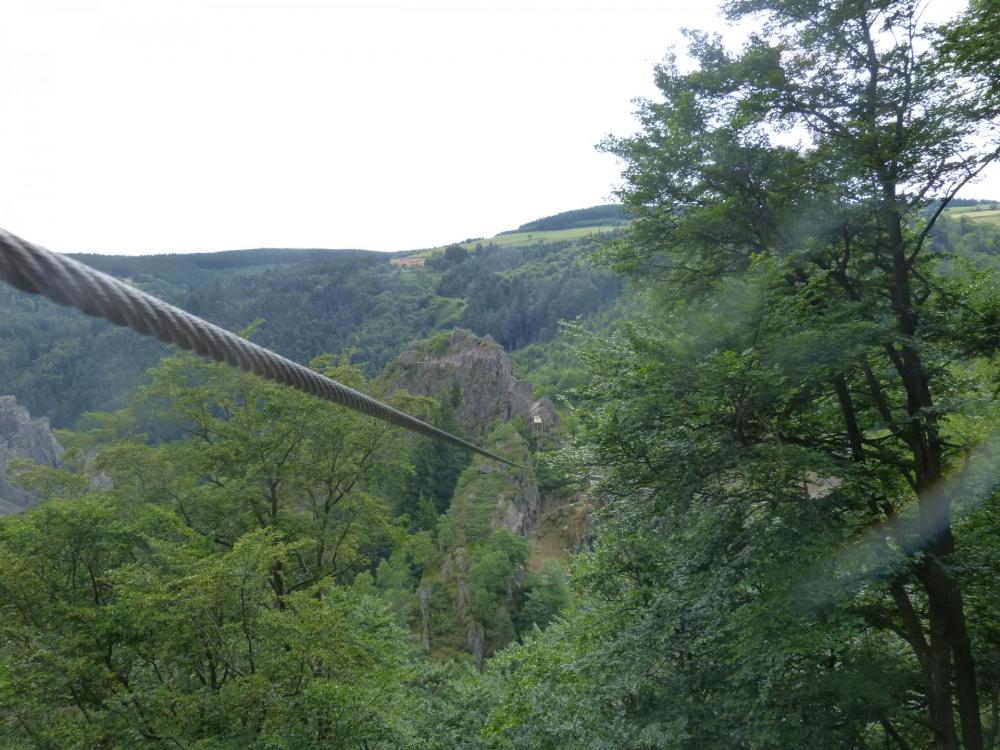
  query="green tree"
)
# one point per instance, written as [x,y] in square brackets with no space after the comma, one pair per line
[546,595]
[262,456]
[436,467]
[198,600]
[805,381]
[972,45]
[121,627]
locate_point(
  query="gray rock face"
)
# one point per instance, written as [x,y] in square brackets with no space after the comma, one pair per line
[23,437]
[518,509]
[476,371]
[478,375]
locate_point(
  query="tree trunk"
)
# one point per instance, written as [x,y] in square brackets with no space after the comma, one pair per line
[945,599]
[949,645]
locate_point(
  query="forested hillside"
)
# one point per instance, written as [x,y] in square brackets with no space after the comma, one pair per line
[309,302]
[598,216]
[764,515]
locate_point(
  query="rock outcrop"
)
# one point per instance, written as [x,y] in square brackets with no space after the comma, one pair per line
[476,373]
[499,412]
[517,508]
[23,437]
[478,377]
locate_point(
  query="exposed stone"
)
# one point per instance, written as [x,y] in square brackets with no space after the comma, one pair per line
[518,510]
[462,595]
[424,597]
[476,371]
[476,639]
[23,437]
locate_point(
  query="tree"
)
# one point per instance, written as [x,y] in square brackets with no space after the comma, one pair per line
[262,456]
[198,601]
[972,46]
[796,386]
[436,467]
[122,627]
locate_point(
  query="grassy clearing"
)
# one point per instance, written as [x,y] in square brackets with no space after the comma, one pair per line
[986,217]
[985,213]
[521,239]
[518,239]
[979,207]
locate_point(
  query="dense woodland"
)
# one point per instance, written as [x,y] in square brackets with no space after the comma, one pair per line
[785,435]
[61,364]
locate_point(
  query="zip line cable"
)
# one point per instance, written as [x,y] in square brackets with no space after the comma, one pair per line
[33,269]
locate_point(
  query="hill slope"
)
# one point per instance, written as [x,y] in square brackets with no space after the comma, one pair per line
[61,364]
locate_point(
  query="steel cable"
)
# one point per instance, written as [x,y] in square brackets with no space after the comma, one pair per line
[33,269]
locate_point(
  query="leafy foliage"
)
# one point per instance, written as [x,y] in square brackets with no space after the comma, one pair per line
[792,435]
[263,575]
[202,600]
[785,430]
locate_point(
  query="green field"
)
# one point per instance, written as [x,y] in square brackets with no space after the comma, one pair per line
[987,213]
[981,207]
[986,217]
[522,239]
[517,239]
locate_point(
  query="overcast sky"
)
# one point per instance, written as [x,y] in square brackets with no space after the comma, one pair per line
[138,126]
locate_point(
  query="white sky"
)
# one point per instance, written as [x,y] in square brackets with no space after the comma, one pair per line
[137,126]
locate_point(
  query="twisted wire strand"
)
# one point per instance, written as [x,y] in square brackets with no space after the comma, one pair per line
[33,269]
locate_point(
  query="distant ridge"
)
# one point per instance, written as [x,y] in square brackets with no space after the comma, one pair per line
[595,216]
[172,265]
[128,265]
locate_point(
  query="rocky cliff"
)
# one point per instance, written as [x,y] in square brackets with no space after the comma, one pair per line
[23,437]
[500,525]
[476,374]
